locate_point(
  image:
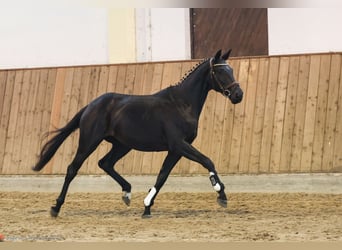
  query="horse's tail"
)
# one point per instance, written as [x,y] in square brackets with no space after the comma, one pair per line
[50,148]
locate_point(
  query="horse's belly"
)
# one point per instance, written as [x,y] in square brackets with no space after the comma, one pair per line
[143,143]
[142,138]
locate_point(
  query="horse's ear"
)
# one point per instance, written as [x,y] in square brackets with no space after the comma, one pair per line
[218,55]
[226,55]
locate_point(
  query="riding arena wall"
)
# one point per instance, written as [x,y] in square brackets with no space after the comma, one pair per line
[290,119]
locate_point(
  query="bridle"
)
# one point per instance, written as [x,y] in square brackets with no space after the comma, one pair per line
[226,91]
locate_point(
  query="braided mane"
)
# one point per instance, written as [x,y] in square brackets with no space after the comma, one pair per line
[187,74]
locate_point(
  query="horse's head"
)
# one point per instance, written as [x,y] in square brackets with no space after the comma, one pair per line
[222,78]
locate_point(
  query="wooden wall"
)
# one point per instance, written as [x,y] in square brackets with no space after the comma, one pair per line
[289,121]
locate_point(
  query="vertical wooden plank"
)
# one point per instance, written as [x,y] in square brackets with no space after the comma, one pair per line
[18,151]
[3,114]
[3,78]
[148,79]
[129,80]
[121,77]
[57,99]
[310,114]
[261,88]
[84,98]
[112,76]
[279,115]
[5,119]
[289,117]
[103,80]
[239,116]
[337,164]
[139,78]
[157,77]
[331,115]
[9,164]
[323,88]
[300,113]
[246,138]
[269,115]
[48,97]
[228,122]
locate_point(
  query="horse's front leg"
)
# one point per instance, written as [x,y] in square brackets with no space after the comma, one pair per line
[169,162]
[193,154]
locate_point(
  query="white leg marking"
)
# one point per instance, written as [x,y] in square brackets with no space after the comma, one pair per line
[149,197]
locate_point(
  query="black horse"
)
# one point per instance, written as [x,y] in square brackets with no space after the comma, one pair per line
[164,121]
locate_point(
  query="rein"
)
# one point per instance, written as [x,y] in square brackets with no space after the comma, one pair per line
[225,91]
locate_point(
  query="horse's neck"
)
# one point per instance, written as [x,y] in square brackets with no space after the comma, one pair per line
[195,89]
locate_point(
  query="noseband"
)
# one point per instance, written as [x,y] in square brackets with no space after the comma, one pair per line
[225,91]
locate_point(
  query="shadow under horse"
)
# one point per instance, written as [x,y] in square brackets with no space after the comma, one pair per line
[164,121]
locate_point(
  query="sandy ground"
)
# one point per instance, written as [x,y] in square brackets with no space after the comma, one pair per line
[177,217]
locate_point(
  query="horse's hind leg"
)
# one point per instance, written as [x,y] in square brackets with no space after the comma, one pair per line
[83,151]
[107,164]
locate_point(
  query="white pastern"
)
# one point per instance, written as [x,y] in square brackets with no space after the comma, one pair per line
[149,197]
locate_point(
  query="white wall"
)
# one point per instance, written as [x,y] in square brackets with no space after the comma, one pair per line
[163,34]
[40,36]
[36,37]
[304,30]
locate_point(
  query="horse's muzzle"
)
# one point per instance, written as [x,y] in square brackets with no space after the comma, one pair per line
[236,96]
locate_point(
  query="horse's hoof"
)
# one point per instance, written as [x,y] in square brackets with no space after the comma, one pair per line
[126,200]
[126,197]
[53,212]
[147,213]
[222,203]
[146,216]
